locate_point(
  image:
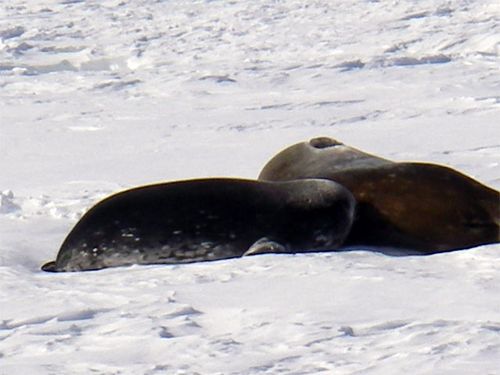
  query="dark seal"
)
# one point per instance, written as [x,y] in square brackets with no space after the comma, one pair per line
[207,219]
[414,206]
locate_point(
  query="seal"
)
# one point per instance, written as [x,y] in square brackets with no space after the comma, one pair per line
[207,219]
[420,207]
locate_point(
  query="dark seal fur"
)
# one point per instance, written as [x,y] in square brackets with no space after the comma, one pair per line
[207,219]
[415,206]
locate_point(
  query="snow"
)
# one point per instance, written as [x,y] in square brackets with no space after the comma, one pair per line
[98,96]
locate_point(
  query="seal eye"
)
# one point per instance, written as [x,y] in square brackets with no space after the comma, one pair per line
[324,142]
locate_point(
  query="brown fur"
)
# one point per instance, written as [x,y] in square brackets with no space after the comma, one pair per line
[415,206]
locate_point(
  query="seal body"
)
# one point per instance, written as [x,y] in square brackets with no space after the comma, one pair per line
[415,206]
[207,219]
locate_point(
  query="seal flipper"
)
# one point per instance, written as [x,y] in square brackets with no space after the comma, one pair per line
[49,267]
[265,246]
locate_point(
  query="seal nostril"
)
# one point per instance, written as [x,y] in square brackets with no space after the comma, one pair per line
[324,142]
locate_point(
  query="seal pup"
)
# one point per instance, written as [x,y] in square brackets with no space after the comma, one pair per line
[207,219]
[422,207]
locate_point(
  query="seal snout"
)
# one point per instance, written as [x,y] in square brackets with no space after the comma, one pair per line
[324,142]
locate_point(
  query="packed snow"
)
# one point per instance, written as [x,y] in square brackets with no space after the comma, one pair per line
[99,96]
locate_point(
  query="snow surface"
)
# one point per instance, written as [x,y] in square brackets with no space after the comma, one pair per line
[97,96]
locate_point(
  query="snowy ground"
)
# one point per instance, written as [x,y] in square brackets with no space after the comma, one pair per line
[97,96]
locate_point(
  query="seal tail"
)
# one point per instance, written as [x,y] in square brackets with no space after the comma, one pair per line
[49,267]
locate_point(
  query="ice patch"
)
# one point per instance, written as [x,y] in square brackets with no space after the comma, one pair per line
[7,204]
[12,32]
[404,61]
[350,65]
[88,128]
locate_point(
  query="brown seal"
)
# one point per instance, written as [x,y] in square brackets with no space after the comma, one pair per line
[414,206]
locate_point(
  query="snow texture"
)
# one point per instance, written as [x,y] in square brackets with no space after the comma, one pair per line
[98,96]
